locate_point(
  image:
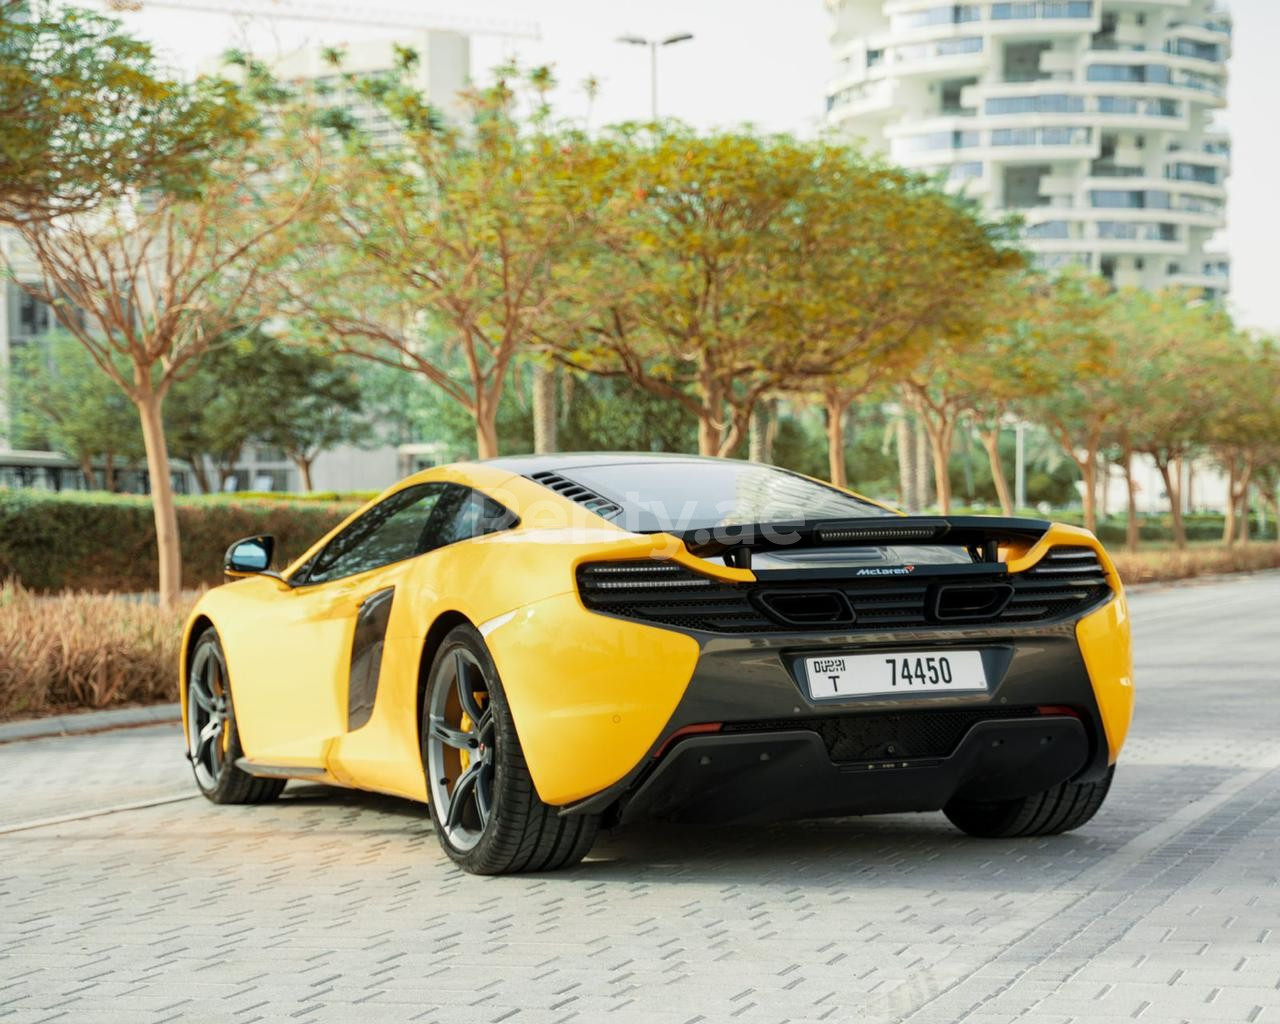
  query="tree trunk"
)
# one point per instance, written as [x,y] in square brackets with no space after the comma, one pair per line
[303,462]
[109,472]
[991,442]
[200,470]
[486,415]
[1244,513]
[924,494]
[1089,474]
[906,464]
[1131,504]
[1175,504]
[940,446]
[162,504]
[835,407]
[708,434]
[544,409]
[1229,515]
[758,433]
[86,470]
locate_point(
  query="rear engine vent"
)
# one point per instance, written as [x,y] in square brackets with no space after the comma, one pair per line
[584,496]
[1066,582]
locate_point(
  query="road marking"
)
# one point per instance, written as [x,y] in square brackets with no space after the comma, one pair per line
[98,813]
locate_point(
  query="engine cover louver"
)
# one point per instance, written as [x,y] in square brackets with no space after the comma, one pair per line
[584,496]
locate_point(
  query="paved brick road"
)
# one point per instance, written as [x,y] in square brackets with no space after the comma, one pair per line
[334,906]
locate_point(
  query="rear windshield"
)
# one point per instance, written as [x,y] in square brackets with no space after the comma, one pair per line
[679,495]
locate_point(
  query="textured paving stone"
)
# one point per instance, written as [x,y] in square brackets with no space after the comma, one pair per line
[334,906]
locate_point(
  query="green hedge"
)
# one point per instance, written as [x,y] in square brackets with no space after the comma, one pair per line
[107,542]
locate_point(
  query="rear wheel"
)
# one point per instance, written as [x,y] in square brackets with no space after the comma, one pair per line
[213,744]
[1059,809]
[486,812]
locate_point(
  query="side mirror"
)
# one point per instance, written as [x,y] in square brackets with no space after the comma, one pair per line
[250,556]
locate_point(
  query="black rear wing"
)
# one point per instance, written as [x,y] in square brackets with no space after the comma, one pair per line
[981,535]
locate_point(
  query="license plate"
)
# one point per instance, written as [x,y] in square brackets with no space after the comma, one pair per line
[857,675]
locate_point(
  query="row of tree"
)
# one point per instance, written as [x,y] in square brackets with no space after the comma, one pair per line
[714,273]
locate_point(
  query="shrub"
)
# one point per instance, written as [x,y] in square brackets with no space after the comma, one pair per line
[84,651]
[107,542]
[1154,566]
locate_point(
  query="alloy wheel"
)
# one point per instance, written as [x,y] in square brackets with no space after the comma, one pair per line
[460,738]
[208,707]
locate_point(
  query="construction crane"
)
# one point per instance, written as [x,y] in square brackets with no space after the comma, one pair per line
[349,13]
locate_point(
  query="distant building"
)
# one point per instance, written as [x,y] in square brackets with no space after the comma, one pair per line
[1093,119]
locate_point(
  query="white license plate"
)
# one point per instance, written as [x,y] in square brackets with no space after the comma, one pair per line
[856,675]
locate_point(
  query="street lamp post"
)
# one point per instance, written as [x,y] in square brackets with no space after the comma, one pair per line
[653,45]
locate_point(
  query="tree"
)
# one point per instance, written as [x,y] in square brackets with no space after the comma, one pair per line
[451,241]
[742,267]
[1244,429]
[1165,341]
[148,280]
[316,406]
[63,401]
[1079,398]
[89,115]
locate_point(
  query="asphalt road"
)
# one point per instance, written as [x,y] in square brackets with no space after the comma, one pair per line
[335,906]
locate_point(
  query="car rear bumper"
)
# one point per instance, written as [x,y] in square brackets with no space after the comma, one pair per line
[748,742]
[751,776]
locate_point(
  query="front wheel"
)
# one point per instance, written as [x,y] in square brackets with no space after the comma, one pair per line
[486,812]
[1058,809]
[213,743]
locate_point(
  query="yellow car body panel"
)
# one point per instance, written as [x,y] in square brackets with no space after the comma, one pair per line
[1103,635]
[588,716]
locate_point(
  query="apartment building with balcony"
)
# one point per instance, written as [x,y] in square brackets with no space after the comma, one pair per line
[1093,119]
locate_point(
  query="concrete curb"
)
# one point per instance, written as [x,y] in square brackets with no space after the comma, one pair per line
[88,721]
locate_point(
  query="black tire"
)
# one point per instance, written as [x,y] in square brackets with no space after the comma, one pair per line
[1059,809]
[497,825]
[213,743]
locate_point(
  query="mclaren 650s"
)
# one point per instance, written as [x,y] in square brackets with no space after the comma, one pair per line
[540,646]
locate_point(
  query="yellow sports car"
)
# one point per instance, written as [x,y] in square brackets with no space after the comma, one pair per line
[540,645]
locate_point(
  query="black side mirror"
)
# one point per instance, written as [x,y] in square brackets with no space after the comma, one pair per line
[250,556]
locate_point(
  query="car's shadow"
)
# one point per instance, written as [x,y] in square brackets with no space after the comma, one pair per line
[918,851]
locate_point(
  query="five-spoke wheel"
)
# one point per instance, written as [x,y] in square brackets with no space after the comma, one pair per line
[461,745]
[483,802]
[213,742]
[207,707]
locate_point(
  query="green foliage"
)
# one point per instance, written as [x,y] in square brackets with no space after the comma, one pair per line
[61,400]
[89,114]
[101,542]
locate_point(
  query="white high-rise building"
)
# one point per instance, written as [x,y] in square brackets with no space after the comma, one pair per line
[1093,119]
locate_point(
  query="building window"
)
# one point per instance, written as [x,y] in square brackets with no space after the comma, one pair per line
[1129,199]
[1054,103]
[951,14]
[968,44]
[1056,229]
[1040,136]
[1028,9]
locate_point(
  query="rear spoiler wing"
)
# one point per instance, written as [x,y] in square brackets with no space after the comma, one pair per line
[982,535]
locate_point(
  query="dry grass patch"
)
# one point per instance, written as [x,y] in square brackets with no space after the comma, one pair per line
[77,650]
[1155,566]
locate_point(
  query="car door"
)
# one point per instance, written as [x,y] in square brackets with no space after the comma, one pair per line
[380,749]
[327,633]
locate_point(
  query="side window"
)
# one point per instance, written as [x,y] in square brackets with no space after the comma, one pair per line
[392,530]
[463,514]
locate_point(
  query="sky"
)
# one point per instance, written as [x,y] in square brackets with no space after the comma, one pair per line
[764,62]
